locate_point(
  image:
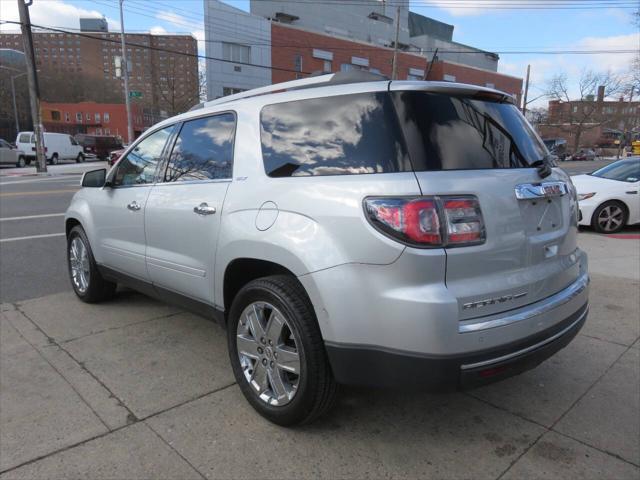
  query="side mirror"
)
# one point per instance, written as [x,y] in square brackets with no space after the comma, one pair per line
[94,178]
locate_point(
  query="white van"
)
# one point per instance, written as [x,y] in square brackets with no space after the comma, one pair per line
[57,146]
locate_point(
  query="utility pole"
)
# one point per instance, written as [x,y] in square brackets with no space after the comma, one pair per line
[34,89]
[526,91]
[125,70]
[394,65]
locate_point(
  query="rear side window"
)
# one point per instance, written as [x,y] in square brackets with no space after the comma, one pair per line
[341,135]
[25,138]
[445,132]
[203,150]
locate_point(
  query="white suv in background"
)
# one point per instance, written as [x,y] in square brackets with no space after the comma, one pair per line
[345,229]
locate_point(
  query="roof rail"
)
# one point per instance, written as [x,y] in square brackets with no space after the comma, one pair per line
[339,78]
[303,82]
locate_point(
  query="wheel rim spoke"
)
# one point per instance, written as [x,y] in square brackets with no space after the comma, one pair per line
[247,346]
[259,378]
[79,264]
[274,327]
[288,359]
[254,319]
[277,385]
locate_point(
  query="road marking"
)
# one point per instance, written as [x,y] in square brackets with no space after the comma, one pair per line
[45,192]
[31,237]
[66,178]
[29,217]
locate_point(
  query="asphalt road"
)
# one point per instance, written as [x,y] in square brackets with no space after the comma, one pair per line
[32,242]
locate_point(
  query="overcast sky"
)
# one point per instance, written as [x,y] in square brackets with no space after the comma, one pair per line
[489,29]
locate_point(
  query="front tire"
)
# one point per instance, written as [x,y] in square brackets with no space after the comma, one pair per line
[54,159]
[80,158]
[610,217]
[86,280]
[277,352]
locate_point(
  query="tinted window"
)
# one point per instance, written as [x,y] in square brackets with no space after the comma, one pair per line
[139,166]
[203,150]
[447,132]
[4,144]
[25,138]
[347,134]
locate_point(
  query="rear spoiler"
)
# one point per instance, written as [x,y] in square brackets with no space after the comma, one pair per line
[481,93]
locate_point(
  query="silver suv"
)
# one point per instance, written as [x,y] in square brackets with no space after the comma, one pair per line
[345,230]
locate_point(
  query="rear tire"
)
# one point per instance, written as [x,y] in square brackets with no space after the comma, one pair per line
[86,280]
[21,162]
[610,217]
[292,343]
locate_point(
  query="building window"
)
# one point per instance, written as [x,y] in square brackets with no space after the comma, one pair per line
[326,66]
[88,117]
[105,117]
[346,67]
[67,117]
[231,91]
[79,117]
[236,52]
[97,117]
[490,85]
[55,115]
[297,62]
[413,77]
[449,78]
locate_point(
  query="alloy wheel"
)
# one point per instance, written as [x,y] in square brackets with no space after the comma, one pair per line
[79,263]
[610,218]
[269,353]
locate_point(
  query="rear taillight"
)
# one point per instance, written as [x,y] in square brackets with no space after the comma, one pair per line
[439,221]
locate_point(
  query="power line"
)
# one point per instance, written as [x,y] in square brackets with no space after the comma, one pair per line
[363,47]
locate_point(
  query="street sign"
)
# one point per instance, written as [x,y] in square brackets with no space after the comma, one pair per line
[134,94]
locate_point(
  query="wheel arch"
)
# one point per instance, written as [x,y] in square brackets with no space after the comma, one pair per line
[614,200]
[241,271]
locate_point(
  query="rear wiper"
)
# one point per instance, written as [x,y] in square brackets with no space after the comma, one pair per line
[544,166]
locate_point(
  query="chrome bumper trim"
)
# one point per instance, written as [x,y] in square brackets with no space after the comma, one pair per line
[539,308]
[525,350]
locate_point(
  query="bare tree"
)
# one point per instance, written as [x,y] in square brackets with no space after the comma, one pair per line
[173,94]
[585,112]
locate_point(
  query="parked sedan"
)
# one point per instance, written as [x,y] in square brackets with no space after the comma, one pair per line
[584,155]
[10,155]
[609,198]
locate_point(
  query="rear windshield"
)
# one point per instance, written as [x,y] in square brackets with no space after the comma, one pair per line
[445,132]
[394,132]
[341,135]
[26,138]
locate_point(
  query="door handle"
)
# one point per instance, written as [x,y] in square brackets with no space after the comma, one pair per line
[632,192]
[204,209]
[134,206]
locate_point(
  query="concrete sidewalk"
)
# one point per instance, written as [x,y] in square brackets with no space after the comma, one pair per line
[137,389]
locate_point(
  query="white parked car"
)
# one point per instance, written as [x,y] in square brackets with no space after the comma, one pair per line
[58,146]
[609,197]
[11,155]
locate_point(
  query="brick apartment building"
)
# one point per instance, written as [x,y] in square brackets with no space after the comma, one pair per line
[598,121]
[167,81]
[93,118]
[310,52]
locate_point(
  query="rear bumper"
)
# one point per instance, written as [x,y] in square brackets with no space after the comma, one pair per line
[380,367]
